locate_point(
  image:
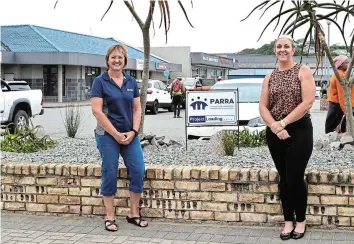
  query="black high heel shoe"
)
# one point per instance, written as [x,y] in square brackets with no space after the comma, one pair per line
[286,236]
[296,235]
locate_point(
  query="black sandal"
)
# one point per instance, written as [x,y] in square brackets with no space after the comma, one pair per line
[111,222]
[137,221]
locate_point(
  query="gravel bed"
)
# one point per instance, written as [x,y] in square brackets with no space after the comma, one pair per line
[83,150]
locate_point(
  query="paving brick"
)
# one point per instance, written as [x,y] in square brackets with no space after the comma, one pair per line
[47,181]
[120,239]
[213,186]
[46,229]
[190,186]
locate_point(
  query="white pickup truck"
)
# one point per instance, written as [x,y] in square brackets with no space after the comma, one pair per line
[18,103]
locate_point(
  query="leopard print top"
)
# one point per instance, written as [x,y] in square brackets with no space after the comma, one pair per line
[284,91]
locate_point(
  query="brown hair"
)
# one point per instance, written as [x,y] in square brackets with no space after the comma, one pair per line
[122,49]
[285,37]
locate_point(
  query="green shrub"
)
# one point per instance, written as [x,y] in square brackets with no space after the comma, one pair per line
[26,140]
[72,120]
[246,138]
[229,142]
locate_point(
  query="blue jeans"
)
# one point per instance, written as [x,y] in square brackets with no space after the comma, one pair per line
[133,158]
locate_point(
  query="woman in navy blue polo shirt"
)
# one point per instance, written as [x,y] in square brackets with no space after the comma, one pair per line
[115,103]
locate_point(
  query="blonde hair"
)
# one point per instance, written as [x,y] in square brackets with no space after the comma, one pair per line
[285,37]
[121,48]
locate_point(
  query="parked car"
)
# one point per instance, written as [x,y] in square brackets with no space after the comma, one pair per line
[249,116]
[157,96]
[17,85]
[18,104]
[318,92]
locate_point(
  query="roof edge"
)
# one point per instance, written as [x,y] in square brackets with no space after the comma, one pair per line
[141,50]
[39,33]
[5,47]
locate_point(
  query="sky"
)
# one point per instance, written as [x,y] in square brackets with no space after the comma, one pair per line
[217,23]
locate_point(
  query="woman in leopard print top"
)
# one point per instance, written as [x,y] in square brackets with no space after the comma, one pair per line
[287,97]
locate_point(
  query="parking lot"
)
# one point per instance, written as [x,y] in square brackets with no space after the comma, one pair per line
[161,124]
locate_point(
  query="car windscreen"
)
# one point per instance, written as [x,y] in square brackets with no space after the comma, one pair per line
[248,92]
[188,81]
[208,82]
[19,86]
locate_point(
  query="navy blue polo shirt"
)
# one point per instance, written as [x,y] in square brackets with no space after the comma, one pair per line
[118,102]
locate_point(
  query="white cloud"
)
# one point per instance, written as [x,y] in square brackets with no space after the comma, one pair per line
[217,26]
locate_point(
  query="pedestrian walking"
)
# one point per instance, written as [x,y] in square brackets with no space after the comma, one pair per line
[177,92]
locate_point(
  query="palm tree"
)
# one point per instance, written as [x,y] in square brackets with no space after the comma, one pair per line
[145,29]
[310,13]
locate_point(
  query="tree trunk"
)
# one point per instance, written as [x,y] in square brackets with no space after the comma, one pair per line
[349,109]
[145,78]
[344,83]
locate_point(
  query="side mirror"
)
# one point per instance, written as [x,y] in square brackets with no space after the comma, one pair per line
[198,84]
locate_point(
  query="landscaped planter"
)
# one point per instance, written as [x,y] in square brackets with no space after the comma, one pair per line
[183,193]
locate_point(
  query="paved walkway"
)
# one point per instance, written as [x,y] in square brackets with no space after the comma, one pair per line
[48,229]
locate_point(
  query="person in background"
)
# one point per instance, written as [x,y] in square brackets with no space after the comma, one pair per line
[287,96]
[335,113]
[177,91]
[335,117]
[115,103]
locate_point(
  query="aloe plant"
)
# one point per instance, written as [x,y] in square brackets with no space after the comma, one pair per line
[310,13]
[26,140]
[165,19]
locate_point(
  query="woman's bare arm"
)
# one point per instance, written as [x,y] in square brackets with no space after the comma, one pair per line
[264,103]
[136,113]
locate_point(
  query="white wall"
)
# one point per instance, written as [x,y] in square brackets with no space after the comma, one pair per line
[11,69]
[178,55]
[74,72]
[158,76]
[22,71]
[31,72]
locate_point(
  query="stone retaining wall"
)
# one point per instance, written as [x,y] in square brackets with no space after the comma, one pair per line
[184,193]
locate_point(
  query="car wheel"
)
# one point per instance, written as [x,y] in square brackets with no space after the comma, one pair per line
[20,121]
[155,107]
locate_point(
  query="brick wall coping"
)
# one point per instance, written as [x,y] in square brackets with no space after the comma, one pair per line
[177,172]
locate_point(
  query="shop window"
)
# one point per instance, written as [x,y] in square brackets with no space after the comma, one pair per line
[212,73]
[50,80]
[203,73]
[90,74]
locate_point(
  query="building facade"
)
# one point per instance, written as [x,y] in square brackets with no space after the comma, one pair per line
[64,64]
[207,66]
[258,66]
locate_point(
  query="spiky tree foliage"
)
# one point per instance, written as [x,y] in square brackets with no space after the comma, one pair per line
[309,13]
[165,19]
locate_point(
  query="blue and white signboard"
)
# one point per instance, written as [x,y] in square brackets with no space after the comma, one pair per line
[214,107]
[166,73]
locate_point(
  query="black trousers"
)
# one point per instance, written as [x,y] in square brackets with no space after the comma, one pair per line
[334,116]
[177,102]
[291,157]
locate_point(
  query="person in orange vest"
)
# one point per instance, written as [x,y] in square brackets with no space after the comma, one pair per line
[177,91]
[336,106]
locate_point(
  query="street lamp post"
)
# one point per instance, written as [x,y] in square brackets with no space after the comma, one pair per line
[327,64]
[329,46]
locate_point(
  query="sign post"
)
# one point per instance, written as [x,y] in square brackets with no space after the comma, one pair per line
[212,108]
